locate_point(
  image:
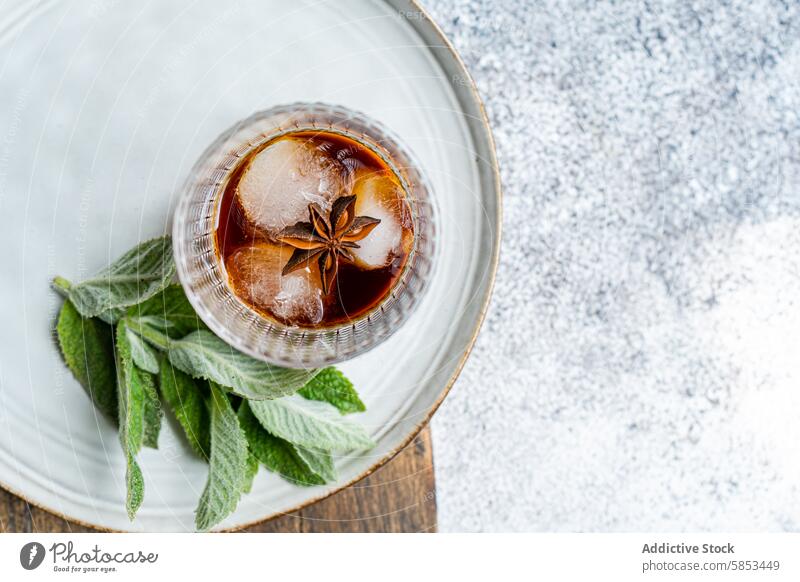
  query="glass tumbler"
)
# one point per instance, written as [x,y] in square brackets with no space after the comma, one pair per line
[202,272]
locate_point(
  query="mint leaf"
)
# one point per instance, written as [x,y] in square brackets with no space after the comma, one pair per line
[331,386]
[227,468]
[250,473]
[320,462]
[310,424]
[153,413]
[87,348]
[201,354]
[143,355]
[131,394]
[186,397]
[170,311]
[137,275]
[112,316]
[134,483]
[276,454]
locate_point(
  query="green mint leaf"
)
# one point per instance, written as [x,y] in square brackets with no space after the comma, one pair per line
[143,355]
[320,462]
[227,468]
[201,354]
[274,453]
[112,316]
[310,424]
[331,386]
[137,275]
[148,382]
[61,285]
[132,392]
[152,329]
[134,483]
[250,474]
[186,397]
[87,348]
[170,312]
[153,413]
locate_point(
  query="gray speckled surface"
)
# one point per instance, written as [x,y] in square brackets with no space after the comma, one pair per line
[640,365]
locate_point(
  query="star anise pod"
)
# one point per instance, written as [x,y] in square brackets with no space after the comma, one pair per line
[328,240]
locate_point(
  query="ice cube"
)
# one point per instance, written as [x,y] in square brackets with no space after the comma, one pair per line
[284,178]
[255,273]
[378,195]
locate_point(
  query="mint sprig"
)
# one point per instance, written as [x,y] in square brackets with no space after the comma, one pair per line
[238,413]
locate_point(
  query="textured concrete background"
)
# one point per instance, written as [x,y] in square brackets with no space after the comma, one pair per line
[640,365]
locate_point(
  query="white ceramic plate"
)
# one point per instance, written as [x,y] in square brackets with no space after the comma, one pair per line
[104,106]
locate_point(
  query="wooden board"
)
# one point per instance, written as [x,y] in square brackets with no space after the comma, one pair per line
[399,497]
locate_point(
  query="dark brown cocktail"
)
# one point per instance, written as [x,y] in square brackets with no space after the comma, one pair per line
[314,229]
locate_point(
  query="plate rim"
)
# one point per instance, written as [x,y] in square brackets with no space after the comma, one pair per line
[433,29]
